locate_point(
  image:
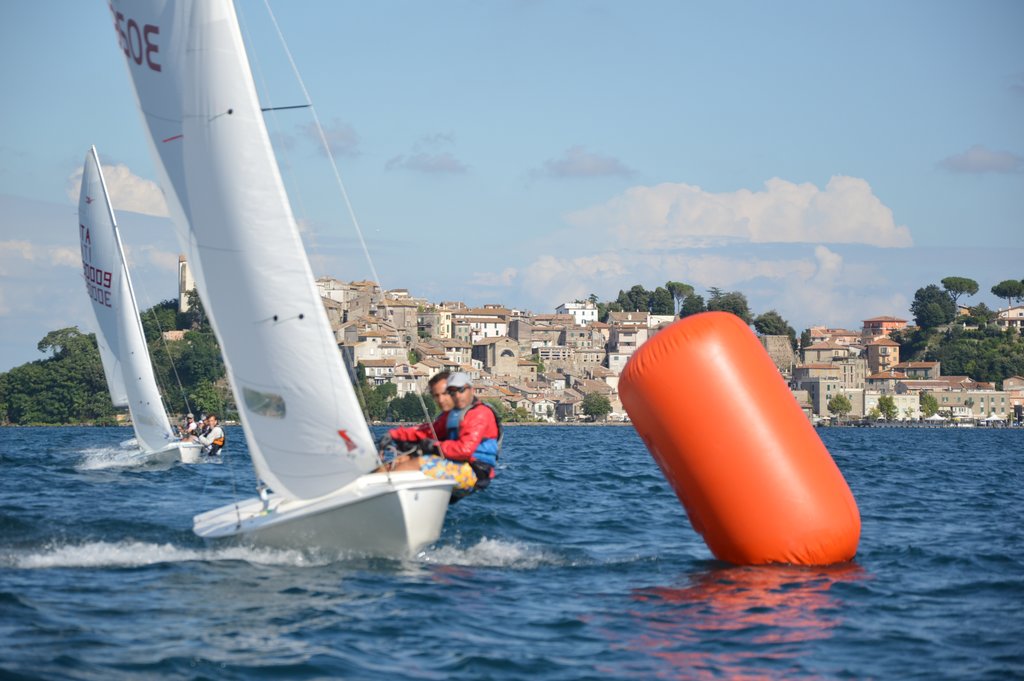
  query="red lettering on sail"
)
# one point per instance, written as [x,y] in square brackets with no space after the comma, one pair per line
[348,441]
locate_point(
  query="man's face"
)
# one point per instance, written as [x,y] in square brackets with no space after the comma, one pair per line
[462,396]
[441,396]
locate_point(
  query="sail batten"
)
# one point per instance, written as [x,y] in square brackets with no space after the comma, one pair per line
[305,429]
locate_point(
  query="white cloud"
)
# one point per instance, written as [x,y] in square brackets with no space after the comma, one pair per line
[128,192]
[681,215]
[14,254]
[979,159]
[63,256]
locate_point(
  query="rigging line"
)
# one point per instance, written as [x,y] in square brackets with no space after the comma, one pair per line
[326,146]
[334,168]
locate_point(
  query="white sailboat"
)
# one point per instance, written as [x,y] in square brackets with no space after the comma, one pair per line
[307,436]
[122,343]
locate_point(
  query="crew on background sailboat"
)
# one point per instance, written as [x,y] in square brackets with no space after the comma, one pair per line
[212,438]
[461,445]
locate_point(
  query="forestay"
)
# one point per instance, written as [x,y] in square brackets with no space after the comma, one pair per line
[305,429]
[122,342]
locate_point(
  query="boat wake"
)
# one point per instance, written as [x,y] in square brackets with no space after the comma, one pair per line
[128,455]
[140,554]
[493,553]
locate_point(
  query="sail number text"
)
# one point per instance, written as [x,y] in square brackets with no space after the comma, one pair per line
[97,282]
[139,44]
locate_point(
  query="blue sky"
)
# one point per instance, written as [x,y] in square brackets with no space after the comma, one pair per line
[825,159]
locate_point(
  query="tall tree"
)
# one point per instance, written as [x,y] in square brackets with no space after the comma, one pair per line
[959,286]
[840,405]
[1010,290]
[929,405]
[692,304]
[771,323]
[662,302]
[637,299]
[679,292]
[596,406]
[887,407]
[733,301]
[932,307]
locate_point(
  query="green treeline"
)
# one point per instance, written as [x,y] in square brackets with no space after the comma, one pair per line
[970,344]
[68,386]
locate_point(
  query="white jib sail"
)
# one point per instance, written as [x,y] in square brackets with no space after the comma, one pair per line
[122,342]
[305,429]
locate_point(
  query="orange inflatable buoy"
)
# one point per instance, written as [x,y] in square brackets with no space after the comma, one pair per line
[755,479]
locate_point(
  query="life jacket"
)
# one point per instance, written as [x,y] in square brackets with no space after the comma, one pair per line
[485,458]
[218,444]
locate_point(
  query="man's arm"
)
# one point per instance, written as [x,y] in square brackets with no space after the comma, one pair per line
[424,431]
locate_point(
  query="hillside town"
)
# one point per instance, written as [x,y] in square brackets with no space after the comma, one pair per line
[545,365]
[502,349]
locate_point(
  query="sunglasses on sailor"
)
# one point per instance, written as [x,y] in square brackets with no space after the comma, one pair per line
[453,391]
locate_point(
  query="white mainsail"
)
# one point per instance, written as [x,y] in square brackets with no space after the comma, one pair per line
[305,429]
[120,337]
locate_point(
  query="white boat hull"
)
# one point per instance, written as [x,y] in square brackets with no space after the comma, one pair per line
[185,452]
[378,514]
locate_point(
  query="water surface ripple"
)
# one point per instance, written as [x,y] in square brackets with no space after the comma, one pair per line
[577,563]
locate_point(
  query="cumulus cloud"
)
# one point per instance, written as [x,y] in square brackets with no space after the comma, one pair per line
[504,278]
[128,191]
[681,215]
[576,161]
[979,159]
[16,253]
[805,284]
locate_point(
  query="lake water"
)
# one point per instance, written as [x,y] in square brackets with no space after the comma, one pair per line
[577,563]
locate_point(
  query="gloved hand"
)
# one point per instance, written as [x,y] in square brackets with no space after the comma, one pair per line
[432,447]
[385,442]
